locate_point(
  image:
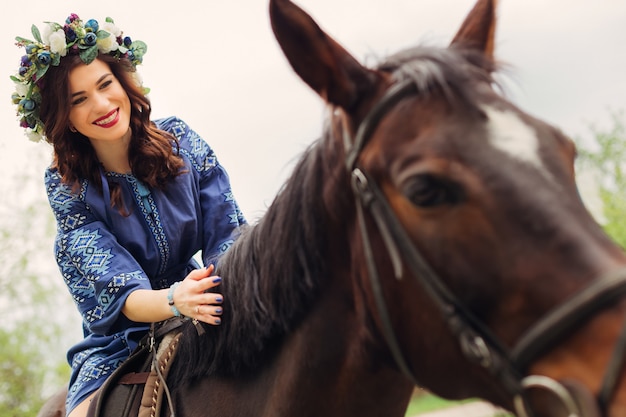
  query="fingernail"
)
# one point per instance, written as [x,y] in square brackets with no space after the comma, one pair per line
[218,321]
[218,311]
[217,279]
[218,300]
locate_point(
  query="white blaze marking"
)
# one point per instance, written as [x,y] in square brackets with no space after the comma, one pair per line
[508,133]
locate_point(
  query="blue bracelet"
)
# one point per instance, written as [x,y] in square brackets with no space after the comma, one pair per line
[170,299]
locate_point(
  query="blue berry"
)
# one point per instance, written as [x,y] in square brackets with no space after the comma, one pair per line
[44,58]
[90,39]
[27,104]
[92,24]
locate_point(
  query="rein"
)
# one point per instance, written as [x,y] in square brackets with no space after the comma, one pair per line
[478,343]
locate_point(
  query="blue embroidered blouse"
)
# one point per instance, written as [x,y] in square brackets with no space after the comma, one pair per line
[104,256]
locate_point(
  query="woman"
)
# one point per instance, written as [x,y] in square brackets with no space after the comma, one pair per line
[134,200]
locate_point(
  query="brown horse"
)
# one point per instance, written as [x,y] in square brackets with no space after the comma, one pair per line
[433,236]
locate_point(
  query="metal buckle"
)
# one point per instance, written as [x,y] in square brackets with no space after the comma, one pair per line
[549,384]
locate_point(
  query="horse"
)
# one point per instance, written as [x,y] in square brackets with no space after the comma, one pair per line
[433,236]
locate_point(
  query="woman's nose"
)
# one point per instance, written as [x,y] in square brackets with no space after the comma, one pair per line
[101,101]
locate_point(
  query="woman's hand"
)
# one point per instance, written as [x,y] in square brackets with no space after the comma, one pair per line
[192,300]
[189,296]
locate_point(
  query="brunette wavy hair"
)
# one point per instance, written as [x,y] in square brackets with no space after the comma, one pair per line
[153,153]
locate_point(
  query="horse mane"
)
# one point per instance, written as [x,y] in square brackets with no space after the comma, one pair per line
[271,275]
[273,272]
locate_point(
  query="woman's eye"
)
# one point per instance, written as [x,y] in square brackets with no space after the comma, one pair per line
[78,101]
[431,191]
[105,84]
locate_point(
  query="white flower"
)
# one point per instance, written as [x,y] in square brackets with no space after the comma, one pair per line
[57,42]
[33,136]
[21,89]
[46,32]
[137,78]
[108,44]
[111,28]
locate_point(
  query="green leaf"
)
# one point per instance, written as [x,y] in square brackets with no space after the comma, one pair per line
[139,48]
[56,59]
[102,34]
[41,71]
[36,33]
[89,54]
[23,40]
[36,96]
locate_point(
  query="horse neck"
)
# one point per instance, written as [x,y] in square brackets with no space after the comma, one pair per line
[323,367]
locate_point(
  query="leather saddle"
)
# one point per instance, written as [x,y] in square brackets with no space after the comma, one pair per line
[137,388]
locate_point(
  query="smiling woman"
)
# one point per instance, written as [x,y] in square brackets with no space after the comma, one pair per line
[134,199]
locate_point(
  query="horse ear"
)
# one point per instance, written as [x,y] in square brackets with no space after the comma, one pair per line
[478,29]
[320,61]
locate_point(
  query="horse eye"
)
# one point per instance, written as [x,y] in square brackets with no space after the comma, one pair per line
[431,191]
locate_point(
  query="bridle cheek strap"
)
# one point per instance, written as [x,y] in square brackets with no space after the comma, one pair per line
[381,304]
[477,342]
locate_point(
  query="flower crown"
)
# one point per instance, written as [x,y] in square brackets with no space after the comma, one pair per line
[73,38]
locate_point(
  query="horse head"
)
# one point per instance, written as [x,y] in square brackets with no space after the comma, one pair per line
[482,272]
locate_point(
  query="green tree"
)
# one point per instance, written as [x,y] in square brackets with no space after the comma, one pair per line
[605,159]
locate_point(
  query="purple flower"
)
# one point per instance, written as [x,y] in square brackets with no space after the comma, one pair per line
[71,18]
[23,71]
[25,61]
[69,33]
[128,41]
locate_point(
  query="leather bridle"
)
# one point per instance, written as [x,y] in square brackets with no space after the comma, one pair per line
[476,340]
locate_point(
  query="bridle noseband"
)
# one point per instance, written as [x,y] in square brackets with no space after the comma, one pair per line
[477,341]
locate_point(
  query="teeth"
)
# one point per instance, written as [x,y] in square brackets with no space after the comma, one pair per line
[107,120]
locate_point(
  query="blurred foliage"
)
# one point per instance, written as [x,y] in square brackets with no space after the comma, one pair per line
[605,160]
[32,298]
[26,376]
